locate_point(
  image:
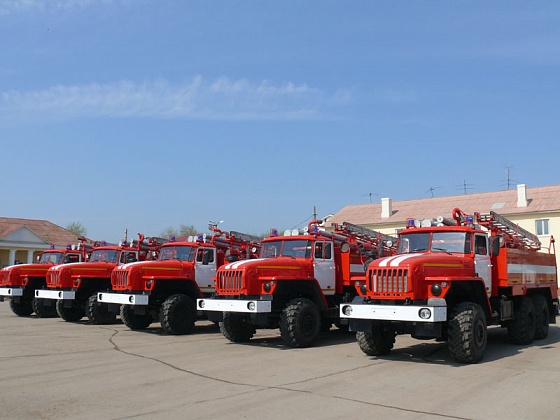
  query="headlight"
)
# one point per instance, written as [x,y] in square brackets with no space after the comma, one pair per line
[363,289]
[424,313]
[251,306]
[267,287]
[347,310]
[436,289]
[77,282]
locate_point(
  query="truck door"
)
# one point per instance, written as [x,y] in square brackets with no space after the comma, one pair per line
[482,261]
[323,265]
[205,269]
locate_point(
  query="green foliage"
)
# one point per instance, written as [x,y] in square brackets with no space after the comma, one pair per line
[183,230]
[78,228]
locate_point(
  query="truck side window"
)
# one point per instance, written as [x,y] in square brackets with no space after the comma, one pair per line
[480,245]
[328,251]
[319,250]
[205,256]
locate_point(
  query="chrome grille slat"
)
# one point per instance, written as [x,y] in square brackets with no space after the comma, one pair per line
[388,280]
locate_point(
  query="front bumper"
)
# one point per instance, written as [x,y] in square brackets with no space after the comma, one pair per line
[55,294]
[251,306]
[408,313]
[11,291]
[123,299]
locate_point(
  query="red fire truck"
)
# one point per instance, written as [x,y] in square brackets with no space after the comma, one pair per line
[296,285]
[166,289]
[19,282]
[451,279]
[74,287]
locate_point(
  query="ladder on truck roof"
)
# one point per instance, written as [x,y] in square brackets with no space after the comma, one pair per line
[379,239]
[244,237]
[522,236]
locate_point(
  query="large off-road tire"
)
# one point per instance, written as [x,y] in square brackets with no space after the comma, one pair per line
[467,333]
[237,327]
[98,312]
[379,340]
[521,330]
[71,313]
[542,316]
[23,307]
[178,315]
[135,321]
[44,308]
[300,322]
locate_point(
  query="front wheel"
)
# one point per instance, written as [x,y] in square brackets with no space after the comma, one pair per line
[178,315]
[379,340]
[237,327]
[98,312]
[135,321]
[300,322]
[467,333]
[44,308]
[70,310]
[21,307]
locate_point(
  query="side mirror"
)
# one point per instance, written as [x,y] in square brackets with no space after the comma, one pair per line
[496,244]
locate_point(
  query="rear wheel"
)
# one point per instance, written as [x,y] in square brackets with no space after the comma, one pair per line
[98,312]
[135,321]
[70,310]
[521,329]
[178,314]
[300,322]
[467,333]
[542,316]
[44,308]
[22,307]
[237,327]
[379,340]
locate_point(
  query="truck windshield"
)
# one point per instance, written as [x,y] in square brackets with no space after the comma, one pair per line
[104,255]
[296,248]
[51,257]
[439,242]
[177,252]
[451,242]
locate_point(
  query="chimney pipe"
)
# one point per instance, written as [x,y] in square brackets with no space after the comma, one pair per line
[522,195]
[386,207]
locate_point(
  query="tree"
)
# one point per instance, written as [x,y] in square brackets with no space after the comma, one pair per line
[183,231]
[78,228]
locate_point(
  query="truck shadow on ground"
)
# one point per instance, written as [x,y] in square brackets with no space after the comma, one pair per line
[273,339]
[498,347]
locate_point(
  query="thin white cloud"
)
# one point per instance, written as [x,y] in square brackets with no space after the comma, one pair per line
[223,99]
[8,7]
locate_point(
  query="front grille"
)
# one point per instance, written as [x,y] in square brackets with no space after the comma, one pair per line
[53,278]
[389,280]
[119,279]
[230,281]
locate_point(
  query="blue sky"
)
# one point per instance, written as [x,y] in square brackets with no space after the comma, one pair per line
[145,114]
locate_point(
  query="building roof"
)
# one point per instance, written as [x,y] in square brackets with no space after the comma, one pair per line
[49,232]
[539,200]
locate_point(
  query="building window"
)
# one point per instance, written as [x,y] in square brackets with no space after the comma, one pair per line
[542,227]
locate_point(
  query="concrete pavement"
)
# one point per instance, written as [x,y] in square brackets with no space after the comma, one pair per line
[51,369]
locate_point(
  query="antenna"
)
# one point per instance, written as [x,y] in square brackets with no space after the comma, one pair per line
[431,190]
[509,180]
[465,186]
